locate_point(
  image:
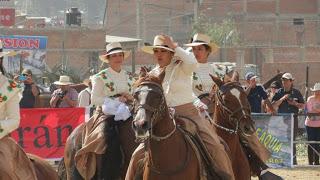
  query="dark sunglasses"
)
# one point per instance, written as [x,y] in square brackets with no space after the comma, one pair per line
[25,74]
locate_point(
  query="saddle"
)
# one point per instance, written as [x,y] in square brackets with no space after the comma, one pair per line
[189,128]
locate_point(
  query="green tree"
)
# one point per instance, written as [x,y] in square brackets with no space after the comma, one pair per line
[224,33]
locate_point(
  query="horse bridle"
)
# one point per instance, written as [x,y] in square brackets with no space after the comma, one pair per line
[156,112]
[223,89]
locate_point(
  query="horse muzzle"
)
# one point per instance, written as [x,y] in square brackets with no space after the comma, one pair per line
[141,129]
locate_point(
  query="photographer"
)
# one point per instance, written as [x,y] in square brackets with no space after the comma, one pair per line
[64,96]
[289,100]
[30,90]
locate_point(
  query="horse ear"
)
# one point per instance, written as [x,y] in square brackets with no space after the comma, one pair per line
[235,76]
[216,80]
[143,72]
[162,75]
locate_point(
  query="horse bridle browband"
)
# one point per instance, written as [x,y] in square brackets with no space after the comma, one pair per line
[226,110]
[156,112]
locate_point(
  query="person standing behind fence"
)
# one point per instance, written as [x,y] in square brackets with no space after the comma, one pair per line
[30,90]
[84,97]
[313,125]
[289,100]
[256,93]
[64,96]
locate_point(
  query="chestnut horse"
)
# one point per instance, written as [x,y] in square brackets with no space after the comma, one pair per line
[110,169]
[168,155]
[43,169]
[232,117]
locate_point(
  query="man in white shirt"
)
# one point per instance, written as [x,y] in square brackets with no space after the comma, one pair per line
[84,97]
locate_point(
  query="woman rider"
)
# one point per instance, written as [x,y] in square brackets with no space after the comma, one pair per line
[14,162]
[111,85]
[178,92]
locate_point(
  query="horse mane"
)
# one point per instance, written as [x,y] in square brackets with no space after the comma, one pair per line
[147,78]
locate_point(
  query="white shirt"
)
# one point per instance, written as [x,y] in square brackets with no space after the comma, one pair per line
[9,106]
[108,83]
[177,83]
[202,82]
[84,97]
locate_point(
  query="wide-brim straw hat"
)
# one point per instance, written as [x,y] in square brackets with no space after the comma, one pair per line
[157,43]
[316,87]
[63,80]
[86,82]
[202,39]
[112,48]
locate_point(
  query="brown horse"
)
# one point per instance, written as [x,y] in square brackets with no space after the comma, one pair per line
[168,155]
[16,164]
[232,117]
[43,169]
[125,137]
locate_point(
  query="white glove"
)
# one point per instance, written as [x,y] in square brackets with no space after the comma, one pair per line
[110,106]
[123,112]
[200,105]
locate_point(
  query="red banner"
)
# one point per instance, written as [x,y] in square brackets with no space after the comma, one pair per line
[44,131]
[7,17]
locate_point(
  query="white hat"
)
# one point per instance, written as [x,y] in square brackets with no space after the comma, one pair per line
[112,48]
[157,43]
[287,76]
[201,39]
[316,87]
[63,80]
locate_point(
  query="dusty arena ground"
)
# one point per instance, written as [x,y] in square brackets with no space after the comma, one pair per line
[306,173]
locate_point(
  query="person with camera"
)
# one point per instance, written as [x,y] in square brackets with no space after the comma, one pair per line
[64,96]
[30,90]
[256,93]
[289,100]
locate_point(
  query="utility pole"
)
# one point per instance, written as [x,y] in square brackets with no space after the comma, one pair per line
[105,15]
[139,19]
[196,4]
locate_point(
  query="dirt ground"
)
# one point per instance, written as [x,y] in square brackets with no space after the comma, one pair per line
[297,173]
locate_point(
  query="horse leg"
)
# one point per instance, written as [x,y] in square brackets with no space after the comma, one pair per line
[133,168]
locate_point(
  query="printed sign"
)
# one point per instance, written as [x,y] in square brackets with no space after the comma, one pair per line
[275,132]
[7,17]
[30,51]
[44,131]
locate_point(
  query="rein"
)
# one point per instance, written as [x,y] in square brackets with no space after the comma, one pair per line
[157,112]
[230,113]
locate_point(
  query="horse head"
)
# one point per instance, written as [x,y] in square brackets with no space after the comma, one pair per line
[232,104]
[149,104]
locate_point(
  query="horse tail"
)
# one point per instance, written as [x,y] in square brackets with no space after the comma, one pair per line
[43,169]
[112,159]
